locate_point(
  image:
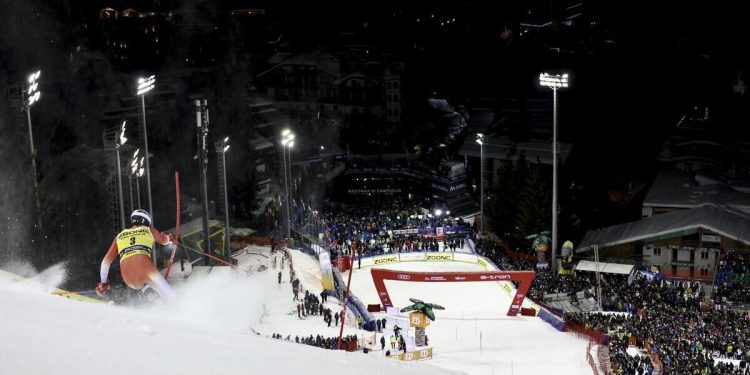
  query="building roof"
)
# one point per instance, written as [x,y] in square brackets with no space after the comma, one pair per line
[323,61]
[502,147]
[682,189]
[356,75]
[728,223]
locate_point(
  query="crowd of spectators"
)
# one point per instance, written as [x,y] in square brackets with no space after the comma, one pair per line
[733,278]
[373,222]
[672,320]
[321,341]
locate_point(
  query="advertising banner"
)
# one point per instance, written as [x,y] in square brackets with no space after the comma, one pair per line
[468,258]
[456,229]
[411,257]
[326,271]
[414,356]
[401,232]
[426,231]
[439,257]
[383,259]
[439,231]
[482,263]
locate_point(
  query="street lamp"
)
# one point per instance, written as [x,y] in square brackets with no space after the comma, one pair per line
[221,148]
[554,81]
[145,85]
[480,141]
[119,143]
[287,140]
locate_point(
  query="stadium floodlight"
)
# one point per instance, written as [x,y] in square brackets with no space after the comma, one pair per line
[287,142]
[120,141]
[554,81]
[438,212]
[480,141]
[221,149]
[145,85]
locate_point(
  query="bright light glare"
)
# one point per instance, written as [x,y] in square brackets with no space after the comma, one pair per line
[285,132]
[34,76]
[225,148]
[438,212]
[553,81]
[226,139]
[479,140]
[291,144]
[146,84]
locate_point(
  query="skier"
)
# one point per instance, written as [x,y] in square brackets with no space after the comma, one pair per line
[279,277]
[393,342]
[377,323]
[135,246]
[336,316]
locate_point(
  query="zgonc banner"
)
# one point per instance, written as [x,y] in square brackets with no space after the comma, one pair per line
[326,271]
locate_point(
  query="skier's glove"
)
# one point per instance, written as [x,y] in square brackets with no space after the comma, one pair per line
[102,289]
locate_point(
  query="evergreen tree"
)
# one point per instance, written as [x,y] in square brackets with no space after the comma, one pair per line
[534,211]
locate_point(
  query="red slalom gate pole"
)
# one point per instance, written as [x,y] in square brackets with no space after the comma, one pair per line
[177,227]
[348,285]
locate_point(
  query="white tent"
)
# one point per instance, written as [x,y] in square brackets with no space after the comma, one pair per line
[622,269]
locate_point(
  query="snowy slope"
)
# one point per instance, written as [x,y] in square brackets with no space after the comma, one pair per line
[473,334]
[208,332]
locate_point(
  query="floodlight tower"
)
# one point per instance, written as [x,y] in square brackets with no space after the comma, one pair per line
[555,82]
[145,85]
[480,141]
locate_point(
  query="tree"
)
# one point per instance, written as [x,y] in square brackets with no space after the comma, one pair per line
[534,211]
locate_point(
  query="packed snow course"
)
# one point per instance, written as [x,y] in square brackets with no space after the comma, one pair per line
[209,331]
[224,319]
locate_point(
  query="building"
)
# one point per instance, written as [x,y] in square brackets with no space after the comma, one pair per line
[687,219]
[316,85]
[682,244]
[498,149]
[679,190]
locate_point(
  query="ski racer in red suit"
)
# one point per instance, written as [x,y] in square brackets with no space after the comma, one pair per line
[135,246]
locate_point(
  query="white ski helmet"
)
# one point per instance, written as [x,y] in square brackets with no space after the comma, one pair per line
[140,217]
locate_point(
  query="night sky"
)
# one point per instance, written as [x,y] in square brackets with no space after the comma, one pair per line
[635,70]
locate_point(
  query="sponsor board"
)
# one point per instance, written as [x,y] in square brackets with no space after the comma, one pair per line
[405,231]
[482,263]
[459,278]
[414,356]
[508,289]
[495,277]
[326,271]
[439,257]
[468,258]
[411,257]
[404,277]
[434,278]
[385,259]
